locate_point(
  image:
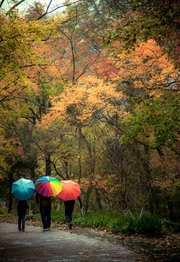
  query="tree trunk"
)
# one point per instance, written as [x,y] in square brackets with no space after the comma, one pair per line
[98,199]
[80,205]
[10,186]
[66,171]
[147,169]
[79,156]
[48,165]
[87,197]
[171,209]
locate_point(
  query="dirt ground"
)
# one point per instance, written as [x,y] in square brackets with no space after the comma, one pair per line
[57,245]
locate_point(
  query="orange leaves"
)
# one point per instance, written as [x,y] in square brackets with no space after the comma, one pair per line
[82,100]
[147,66]
[156,93]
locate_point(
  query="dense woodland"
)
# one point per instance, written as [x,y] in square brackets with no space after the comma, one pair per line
[90,92]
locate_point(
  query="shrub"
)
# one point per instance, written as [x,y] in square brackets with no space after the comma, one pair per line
[123,223]
[149,225]
[3,210]
[92,220]
[57,216]
[32,216]
[171,227]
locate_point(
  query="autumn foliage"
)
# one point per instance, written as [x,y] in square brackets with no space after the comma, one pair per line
[99,105]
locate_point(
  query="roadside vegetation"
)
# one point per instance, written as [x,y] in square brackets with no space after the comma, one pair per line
[126,223]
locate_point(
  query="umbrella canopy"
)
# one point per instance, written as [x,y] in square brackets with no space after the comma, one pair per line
[23,189]
[48,186]
[70,190]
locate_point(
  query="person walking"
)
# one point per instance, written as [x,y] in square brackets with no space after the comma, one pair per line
[69,207]
[45,210]
[22,207]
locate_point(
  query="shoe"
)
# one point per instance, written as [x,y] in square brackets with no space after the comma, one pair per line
[23,230]
[45,229]
[70,225]
[19,229]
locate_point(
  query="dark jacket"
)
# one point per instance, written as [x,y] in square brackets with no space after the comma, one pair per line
[69,203]
[22,206]
[44,201]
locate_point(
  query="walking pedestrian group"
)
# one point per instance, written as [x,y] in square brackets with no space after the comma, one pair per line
[44,204]
[45,187]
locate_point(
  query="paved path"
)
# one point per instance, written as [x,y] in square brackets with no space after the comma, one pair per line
[56,246]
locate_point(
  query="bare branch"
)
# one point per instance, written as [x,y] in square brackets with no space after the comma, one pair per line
[23,98]
[14,6]
[38,146]
[5,98]
[54,149]
[86,67]
[58,7]
[49,5]
[55,168]
[73,61]
[40,65]
[2,3]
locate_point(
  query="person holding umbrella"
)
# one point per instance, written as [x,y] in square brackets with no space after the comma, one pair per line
[70,191]
[45,210]
[69,207]
[46,188]
[22,189]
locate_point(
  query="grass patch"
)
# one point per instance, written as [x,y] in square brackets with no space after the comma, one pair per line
[147,225]
[123,223]
[92,220]
[57,216]
[171,227]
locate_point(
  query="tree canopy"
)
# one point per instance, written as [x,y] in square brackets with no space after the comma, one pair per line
[91,93]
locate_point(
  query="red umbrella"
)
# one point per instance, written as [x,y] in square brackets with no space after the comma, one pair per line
[70,190]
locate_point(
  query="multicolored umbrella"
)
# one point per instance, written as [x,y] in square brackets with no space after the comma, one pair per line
[23,189]
[70,190]
[48,186]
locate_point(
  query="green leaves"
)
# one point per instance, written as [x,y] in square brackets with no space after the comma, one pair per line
[155,121]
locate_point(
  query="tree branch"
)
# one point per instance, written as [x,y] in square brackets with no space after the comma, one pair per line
[14,6]
[55,168]
[2,3]
[58,7]
[86,67]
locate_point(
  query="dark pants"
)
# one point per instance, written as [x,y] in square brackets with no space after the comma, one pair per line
[21,220]
[46,216]
[68,213]
[69,218]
